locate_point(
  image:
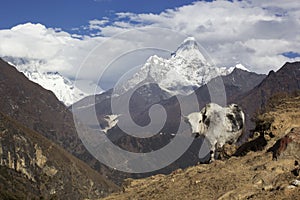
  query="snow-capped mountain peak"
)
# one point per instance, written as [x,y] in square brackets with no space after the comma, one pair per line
[185,70]
[189,49]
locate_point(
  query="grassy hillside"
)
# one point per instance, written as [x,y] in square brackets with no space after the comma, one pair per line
[255,175]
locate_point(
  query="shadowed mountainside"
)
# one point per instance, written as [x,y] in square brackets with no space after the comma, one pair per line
[285,81]
[39,110]
[32,167]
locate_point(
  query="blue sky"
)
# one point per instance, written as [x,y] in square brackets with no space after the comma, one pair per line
[291,54]
[67,14]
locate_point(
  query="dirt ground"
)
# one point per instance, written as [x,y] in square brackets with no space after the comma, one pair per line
[253,176]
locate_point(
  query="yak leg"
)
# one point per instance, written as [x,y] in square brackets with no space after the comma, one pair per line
[213,151]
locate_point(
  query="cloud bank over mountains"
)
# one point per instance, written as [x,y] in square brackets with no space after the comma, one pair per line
[260,34]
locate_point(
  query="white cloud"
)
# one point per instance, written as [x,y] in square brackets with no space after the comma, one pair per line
[253,32]
[98,24]
[59,50]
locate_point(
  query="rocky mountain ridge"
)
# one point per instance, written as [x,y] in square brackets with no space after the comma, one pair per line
[284,81]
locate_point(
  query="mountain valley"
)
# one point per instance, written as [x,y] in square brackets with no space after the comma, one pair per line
[34,122]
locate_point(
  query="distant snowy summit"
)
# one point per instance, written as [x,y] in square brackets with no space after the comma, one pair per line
[185,70]
[238,66]
[62,87]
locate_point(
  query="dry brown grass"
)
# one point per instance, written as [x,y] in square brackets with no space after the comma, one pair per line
[253,176]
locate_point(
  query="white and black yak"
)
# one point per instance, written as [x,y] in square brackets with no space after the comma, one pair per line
[217,124]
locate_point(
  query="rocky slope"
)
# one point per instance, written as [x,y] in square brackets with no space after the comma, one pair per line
[32,167]
[39,110]
[256,175]
[285,80]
